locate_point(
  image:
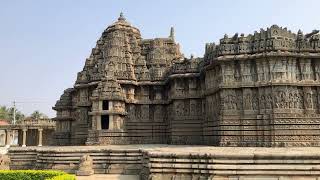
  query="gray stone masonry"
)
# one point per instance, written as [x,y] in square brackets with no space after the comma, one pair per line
[261,89]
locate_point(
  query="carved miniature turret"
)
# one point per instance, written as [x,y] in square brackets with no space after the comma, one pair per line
[121,47]
[300,35]
[121,17]
[172,33]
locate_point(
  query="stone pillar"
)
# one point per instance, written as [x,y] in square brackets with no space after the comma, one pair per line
[24,137]
[8,137]
[111,122]
[3,138]
[40,137]
[98,120]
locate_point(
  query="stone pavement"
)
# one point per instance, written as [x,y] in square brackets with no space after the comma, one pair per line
[109,177]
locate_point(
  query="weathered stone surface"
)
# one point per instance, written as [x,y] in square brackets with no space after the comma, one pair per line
[177,162]
[4,162]
[85,166]
[256,90]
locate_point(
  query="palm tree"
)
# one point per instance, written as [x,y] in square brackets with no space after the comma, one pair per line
[38,115]
[7,114]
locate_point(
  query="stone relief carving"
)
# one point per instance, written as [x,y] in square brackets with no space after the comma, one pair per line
[247,101]
[262,101]
[243,74]
[228,72]
[308,100]
[255,102]
[246,71]
[279,69]
[230,102]
[268,101]
[179,106]
[85,166]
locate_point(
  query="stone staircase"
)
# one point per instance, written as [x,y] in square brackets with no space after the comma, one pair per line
[125,160]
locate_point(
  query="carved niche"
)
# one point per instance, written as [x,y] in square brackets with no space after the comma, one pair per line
[179,107]
[278,69]
[306,71]
[317,70]
[228,72]
[250,99]
[230,100]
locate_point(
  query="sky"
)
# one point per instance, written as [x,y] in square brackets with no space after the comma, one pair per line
[43,44]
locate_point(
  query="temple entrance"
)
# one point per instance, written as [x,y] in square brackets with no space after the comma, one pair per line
[104,122]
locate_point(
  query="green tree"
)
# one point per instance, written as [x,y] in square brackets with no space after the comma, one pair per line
[7,114]
[38,115]
[19,115]
[4,113]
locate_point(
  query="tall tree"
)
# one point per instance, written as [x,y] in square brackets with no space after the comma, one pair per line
[7,114]
[38,115]
[4,113]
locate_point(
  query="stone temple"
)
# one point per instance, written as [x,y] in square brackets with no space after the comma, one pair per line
[145,111]
[262,89]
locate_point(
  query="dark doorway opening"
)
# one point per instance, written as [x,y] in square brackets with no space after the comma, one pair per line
[104,122]
[105,105]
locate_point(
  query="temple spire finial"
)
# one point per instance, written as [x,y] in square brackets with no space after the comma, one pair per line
[121,17]
[172,33]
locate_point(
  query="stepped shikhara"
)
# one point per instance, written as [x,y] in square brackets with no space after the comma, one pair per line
[256,90]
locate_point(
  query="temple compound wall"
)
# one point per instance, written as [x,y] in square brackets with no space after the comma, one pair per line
[256,90]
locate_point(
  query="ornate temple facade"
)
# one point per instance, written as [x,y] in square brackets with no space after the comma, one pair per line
[262,89]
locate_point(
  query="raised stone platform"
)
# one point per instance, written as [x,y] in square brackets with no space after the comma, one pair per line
[178,162]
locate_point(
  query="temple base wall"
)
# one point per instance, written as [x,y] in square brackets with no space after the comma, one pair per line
[178,162]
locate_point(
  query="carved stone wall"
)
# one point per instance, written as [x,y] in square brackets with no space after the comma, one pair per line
[128,73]
[268,89]
[256,90]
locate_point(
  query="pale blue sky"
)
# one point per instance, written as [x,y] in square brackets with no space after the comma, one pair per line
[43,44]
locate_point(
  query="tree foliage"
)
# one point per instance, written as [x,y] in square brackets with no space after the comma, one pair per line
[6,113]
[38,115]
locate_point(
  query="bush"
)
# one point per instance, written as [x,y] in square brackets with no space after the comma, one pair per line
[34,175]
